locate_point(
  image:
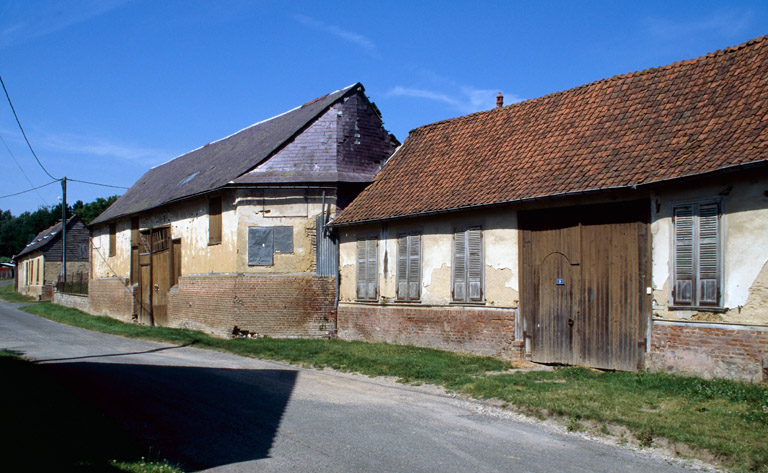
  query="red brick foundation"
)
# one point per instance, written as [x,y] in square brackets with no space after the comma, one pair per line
[111,296]
[295,305]
[478,330]
[710,350]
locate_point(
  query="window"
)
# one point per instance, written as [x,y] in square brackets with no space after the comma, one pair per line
[467,271]
[409,266]
[112,239]
[264,242]
[697,260]
[214,220]
[367,270]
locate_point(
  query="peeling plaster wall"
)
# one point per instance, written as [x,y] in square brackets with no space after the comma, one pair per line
[500,249]
[744,228]
[240,209]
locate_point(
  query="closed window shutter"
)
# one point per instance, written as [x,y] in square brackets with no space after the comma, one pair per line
[459,266]
[260,246]
[709,257]
[414,266]
[402,267]
[372,270]
[362,262]
[475,264]
[684,255]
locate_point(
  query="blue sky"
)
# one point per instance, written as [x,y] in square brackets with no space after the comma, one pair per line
[106,89]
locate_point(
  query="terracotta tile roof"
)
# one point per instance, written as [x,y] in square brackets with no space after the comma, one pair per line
[687,118]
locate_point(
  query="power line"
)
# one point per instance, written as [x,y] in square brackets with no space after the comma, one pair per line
[30,190]
[21,169]
[22,129]
[96,183]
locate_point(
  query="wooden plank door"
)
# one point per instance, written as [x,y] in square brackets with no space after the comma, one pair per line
[602,321]
[145,288]
[558,290]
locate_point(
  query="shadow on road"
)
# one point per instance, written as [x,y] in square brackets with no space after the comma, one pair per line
[196,418]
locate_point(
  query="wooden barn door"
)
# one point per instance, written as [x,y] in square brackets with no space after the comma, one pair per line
[583,284]
[157,275]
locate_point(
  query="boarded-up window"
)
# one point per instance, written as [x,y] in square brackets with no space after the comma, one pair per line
[264,242]
[214,220]
[367,269]
[112,239]
[409,266]
[467,271]
[697,268]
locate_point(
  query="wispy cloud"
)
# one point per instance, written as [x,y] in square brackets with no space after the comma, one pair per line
[345,35]
[21,20]
[466,100]
[103,148]
[724,22]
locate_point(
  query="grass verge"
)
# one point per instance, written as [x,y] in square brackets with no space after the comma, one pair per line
[728,419]
[9,294]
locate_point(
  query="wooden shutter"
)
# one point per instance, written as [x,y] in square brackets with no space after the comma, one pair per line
[708,254]
[372,269]
[459,265]
[112,239]
[684,256]
[475,264]
[402,267]
[260,246]
[214,220]
[362,262]
[414,266]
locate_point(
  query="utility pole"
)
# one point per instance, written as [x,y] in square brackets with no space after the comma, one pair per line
[64,229]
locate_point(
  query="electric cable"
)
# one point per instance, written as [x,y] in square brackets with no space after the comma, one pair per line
[21,169]
[30,190]
[96,183]
[22,129]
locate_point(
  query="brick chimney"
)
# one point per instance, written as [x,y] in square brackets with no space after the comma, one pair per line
[499,100]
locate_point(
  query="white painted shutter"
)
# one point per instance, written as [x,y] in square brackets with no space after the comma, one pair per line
[709,258]
[459,265]
[475,264]
[414,266]
[402,266]
[684,255]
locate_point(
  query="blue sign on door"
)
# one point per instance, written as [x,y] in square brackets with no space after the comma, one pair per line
[561,282]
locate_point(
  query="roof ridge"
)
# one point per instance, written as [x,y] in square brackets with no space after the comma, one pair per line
[614,78]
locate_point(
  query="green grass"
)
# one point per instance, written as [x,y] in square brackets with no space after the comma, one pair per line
[728,419]
[9,294]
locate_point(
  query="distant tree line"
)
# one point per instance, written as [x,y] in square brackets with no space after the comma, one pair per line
[17,232]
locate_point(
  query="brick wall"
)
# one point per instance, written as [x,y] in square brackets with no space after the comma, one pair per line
[75,301]
[710,350]
[111,296]
[478,330]
[293,305]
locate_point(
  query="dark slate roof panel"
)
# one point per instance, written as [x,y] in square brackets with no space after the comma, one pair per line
[688,118]
[45,237]
[216,164]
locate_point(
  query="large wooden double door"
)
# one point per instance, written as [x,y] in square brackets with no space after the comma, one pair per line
[158,260]
[584,280]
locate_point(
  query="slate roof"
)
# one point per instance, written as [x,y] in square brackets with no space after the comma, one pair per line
[687,118]
[216,164]
[45,237]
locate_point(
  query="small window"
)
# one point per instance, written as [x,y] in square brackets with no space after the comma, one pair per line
[697,261]
[214,220]
[409,266]
[264,242]
[467,271]
[367,270]
[112,239]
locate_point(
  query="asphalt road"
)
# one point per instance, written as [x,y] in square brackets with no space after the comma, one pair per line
[218,412]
